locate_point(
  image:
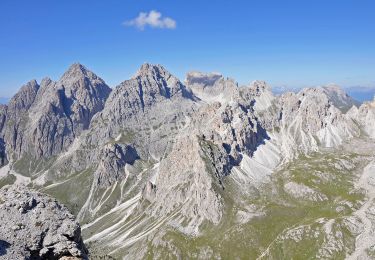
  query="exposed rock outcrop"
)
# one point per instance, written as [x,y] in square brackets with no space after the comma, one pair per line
[42,121]
[35,226]
[339,97]
[113,158]
[365,116]
[187,181]
[305,121]
[147,110]
[212,87]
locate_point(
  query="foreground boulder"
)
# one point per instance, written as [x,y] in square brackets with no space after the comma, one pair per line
[36,226]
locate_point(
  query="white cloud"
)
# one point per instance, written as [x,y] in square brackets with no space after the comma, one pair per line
[153,19]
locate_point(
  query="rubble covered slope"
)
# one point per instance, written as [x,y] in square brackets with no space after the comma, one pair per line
[36,226]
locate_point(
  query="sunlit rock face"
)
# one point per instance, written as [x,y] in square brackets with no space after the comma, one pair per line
[157,166]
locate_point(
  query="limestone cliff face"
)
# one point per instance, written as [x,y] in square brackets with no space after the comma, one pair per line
[339,97]
[151,85]
[315,114]
[187,180]
[305,121]
[16,116]
[365,116]
[42,121]
[3,158]
[111,168]
[147,111]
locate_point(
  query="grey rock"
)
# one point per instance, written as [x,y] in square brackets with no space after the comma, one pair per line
[113,158]
[202,79]
[15,117]
[3,157]
[365,117]
[185,183]
[3,112]
[42,121]
[22,101]
[146,111]
[37,232]
[339,97]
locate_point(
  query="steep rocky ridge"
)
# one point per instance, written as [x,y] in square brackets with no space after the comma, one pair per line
[142,116]
[307,120]
[42,121]
[145,109]
[340,98]
[365,116]
[3,158]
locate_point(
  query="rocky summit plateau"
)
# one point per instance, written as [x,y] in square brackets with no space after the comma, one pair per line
[159,168]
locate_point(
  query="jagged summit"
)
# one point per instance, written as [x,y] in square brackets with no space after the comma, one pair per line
[148,69]
[147,89]
[76,68]
[78,72]
[153,81]
[196,77]
[260,85]
[339,97]
[47,117]
[24,97]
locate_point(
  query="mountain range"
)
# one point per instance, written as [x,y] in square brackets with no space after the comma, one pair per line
[158,168]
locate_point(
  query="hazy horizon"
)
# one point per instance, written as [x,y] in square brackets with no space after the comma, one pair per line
[360,93]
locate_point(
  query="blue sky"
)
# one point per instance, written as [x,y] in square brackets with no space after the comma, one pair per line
[292,43]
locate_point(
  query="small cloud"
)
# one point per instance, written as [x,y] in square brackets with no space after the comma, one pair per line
[153,19]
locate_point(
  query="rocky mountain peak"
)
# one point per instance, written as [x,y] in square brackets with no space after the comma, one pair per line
[45,81]
[212,87]
[260,86]
[24,97]
[154,80]
[86,87]
[77,72]
[364,115]
[339,97]
[153,70]
[48,117]
[76,69]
